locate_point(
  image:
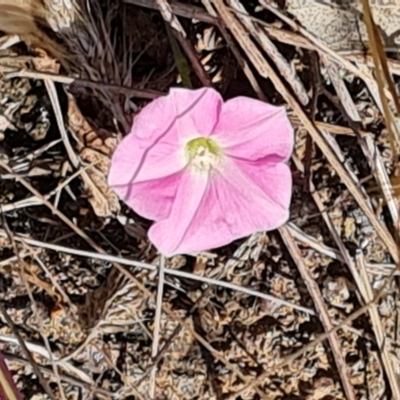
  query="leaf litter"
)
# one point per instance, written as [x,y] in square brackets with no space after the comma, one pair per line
[214,342]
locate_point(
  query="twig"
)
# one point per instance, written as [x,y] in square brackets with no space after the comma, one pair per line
[139,93]
[44,337]
[382,76]
[157,325]
[341,89]
[286,70]
[22,266]
[372,153]
[320,46]
[323,314]
[168,15]
[198,68]
[52,92]
[316,85]
[308,240]
[178,8]
[34,201]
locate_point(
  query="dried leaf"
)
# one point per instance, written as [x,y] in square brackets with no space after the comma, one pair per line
[102,198]
[94,150]
[84,132]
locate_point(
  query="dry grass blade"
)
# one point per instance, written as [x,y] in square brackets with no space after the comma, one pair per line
[372,152]
[393,65]
[367,293]
[34,201]
[43,352]
[22,267]
[157,325]
[287,70]
[93,150]
[265,70]
[322,312]
[319,45]
[309,241]
[346,258]
[341,89]
[44,337]
[382,74]
[67,80]
[168,15]
[43,382]
[334,232]
[103,200]
[178,8]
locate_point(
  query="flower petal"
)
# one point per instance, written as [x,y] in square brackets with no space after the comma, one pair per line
[251,129]
[153,199]
[155,120]
[275,180]
[145,178]
[168,234]
[197,111]
[148,154]
[232,206]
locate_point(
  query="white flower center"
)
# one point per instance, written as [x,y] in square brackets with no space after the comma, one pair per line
[203,154]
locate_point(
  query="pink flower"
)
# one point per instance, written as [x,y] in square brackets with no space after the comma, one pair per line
[206,171]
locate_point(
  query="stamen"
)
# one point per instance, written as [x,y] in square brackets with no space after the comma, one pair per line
[203,154]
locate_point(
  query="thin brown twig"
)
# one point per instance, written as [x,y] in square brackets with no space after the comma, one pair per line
[316,80]
[194,59]
[67,80]
[157,325]
[42,334]
[191,11]
[368,294]
[279,34]
[178,8]
[323,314]
[169,341]
[286,70]
[382,75]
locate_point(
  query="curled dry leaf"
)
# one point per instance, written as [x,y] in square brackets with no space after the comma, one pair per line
[94,150]
[102,198]
[84,132]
